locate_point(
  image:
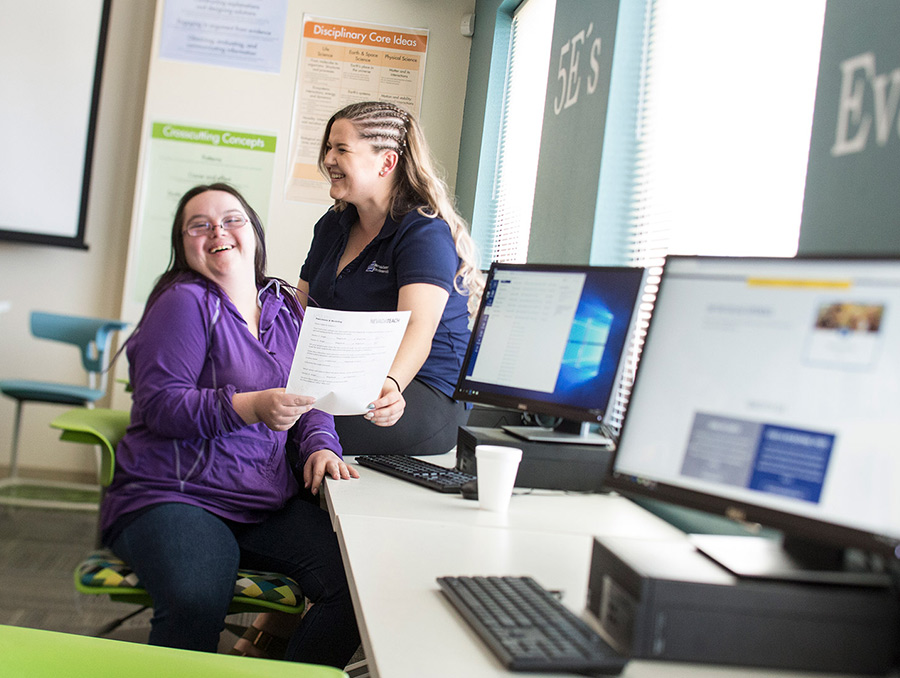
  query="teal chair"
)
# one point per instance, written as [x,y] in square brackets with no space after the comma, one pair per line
[93,338]
[47,654]
[102,573]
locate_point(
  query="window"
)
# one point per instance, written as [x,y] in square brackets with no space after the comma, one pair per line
[520,132]
[724,127]
[706,141]
[707,135]
[715,107]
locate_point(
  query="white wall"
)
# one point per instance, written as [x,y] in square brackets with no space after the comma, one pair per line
[90,283]
[75,281]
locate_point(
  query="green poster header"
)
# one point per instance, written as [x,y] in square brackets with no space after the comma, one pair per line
[214,137]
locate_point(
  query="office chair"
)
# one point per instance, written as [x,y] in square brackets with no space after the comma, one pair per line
[93,337]
[102,573]
[49,654]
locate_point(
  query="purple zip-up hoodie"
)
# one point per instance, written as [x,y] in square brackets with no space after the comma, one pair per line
[186,443]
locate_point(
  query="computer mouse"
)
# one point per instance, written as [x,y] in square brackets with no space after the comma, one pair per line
[469,489]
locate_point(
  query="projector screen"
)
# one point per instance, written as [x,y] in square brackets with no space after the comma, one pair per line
[51,58]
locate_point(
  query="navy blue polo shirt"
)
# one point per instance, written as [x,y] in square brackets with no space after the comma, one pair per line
[416,249]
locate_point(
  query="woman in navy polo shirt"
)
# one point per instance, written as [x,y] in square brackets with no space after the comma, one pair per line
[394,241]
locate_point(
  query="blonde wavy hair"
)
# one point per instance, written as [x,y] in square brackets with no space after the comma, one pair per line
[418,185]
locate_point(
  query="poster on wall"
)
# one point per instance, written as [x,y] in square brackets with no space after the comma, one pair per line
[180,157]
[232,34]
[342,62]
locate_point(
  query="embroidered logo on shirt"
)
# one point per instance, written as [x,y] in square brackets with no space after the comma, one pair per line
[375,267]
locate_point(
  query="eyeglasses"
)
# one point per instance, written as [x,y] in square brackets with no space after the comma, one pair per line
[198,228]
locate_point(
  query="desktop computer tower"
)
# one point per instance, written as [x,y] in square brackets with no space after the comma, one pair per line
[665,600]
[553,466]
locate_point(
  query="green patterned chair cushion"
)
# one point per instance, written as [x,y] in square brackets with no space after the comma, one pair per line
[271,586]
[103,572]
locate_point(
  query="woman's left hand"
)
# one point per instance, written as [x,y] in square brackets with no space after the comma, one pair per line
[388,409]
[321,462]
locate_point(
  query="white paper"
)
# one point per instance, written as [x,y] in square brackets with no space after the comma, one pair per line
[343,357]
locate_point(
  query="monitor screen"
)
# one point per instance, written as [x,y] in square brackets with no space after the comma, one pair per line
[548,339]
[769,391]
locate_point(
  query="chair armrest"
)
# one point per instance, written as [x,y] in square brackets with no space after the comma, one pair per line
[97,426]
[107,329]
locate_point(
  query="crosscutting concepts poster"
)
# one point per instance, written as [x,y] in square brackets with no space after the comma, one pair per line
[181,157]
[342,62]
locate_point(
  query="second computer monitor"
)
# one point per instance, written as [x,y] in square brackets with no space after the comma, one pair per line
[548,339]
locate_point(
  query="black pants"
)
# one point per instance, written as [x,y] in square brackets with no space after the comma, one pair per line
[428,426]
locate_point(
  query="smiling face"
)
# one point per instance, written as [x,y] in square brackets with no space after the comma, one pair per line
[220,255]
[358,173]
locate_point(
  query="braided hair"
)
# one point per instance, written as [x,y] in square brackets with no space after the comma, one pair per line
[418,185]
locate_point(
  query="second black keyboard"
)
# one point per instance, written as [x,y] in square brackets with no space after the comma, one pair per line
[432,476]
[527,628]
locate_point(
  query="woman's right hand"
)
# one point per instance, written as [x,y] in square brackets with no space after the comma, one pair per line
[387,410]
[273,407]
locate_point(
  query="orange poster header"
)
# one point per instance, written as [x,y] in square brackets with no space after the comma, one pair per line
[369,37]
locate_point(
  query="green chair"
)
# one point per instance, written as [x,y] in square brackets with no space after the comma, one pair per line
[47,654]
[93,337]
[95,426]
[101,572]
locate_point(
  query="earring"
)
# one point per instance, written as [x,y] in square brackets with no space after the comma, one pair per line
[382,173]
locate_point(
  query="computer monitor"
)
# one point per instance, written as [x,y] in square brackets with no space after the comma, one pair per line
[768,391]
[548,339]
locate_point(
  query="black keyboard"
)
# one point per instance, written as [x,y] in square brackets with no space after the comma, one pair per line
[415,470]
[527,628]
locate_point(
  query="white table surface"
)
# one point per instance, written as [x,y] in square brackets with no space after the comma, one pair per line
[410,631]
[378,494]
[397,537]
[408,628]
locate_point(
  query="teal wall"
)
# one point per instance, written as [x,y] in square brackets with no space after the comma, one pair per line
[565,194]
[852,199]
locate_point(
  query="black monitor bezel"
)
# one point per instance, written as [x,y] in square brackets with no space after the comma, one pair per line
[533,405]
[789,524]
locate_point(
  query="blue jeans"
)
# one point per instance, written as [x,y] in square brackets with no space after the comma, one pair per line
[187,559]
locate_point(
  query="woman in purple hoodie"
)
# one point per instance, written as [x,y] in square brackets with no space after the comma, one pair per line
[203,482]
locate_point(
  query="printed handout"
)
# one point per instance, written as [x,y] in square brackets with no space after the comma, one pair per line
[343,357]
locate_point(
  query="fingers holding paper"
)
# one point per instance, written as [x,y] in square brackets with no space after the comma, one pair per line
[273,407]
[389,407]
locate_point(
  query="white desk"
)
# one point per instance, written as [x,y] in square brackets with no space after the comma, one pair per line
[377,494]
[396,538]
[408,628]
[410,631]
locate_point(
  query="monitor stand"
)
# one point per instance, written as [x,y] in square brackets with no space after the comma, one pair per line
[570,432]
[788,560]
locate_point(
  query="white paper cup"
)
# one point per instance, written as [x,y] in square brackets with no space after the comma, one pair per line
[497,468]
